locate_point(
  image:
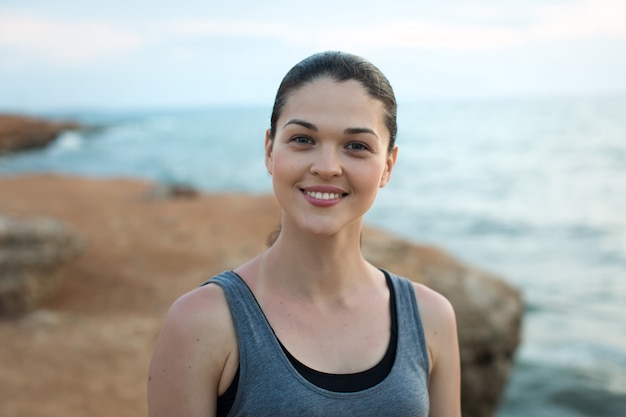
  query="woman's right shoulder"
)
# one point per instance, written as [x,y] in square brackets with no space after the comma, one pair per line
[196,342]
[203,307]
[199,326]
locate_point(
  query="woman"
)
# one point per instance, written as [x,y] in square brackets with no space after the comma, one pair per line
[309,327]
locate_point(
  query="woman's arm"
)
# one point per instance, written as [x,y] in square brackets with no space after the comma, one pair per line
[195,343]
[440,329]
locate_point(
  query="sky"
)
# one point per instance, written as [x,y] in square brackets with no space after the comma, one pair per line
[148,54]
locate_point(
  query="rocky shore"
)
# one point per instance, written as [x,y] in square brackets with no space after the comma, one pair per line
[19,133]
[89,268]
[85,350]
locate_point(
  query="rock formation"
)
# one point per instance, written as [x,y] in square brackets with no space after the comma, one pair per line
[171,191]
[143,253]
[31,252]
[19,133]
[489,313]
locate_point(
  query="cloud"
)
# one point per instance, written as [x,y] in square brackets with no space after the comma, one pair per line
[68,43]
[396,33]
[493,28]
[586,19]
[475,27]
[205,27]
[63,43]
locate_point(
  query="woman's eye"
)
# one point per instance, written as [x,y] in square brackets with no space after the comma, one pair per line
[357,146]
[302,140]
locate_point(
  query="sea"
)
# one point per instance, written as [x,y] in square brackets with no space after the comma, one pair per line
[531,189]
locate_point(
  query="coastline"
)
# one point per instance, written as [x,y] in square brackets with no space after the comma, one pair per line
[20,132]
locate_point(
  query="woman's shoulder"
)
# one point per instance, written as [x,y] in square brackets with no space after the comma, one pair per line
[196,323]
[196,342]
[203,310]
[432,303]
[439,324]
[440,330]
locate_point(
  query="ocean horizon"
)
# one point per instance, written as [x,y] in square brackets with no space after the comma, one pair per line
[533,190]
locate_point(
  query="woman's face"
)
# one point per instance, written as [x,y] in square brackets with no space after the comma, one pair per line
[329,156]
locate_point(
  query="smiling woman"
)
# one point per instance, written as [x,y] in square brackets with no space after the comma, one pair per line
[245,342]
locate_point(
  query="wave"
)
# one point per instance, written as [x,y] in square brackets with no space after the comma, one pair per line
[578,380]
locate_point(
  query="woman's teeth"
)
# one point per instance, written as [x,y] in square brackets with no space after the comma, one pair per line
[323,196]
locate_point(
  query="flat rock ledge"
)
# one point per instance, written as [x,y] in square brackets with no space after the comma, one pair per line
[19,133]
[31,252]
[100,326]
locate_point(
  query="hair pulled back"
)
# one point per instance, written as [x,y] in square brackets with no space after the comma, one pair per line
[340,67]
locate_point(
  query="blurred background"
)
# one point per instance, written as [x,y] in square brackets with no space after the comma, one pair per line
[512,135]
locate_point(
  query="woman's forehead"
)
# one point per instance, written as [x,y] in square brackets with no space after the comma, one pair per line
[325,96]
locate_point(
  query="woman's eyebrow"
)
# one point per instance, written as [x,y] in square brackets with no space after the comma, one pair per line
[302,123]
[358,130]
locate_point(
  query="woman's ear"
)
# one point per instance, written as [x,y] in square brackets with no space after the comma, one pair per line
[389,164]
[269,145]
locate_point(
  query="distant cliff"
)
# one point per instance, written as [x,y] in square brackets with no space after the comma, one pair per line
[19,133]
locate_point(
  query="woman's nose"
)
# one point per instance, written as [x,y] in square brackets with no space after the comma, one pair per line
[326,163]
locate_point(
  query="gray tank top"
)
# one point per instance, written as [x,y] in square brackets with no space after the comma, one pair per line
[269,385]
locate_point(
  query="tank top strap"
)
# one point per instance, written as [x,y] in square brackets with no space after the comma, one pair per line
[410,328]
[254,333]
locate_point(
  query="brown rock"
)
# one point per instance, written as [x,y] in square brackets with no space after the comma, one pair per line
[31,252]
[86,352]
[19,133]
[489,313]
[171,191]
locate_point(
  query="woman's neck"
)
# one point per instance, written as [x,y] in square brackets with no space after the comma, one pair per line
[316,267]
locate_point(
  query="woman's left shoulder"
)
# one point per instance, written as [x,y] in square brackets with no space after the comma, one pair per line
[439,324]
[433,306]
